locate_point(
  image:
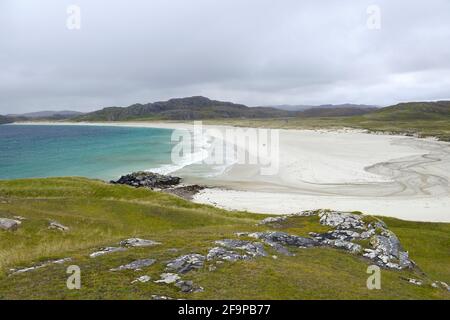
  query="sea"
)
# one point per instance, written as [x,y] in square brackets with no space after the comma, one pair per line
[102,152]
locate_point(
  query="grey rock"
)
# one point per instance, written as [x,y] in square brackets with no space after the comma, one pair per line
[9,224]
[413,281]
[273,220]
[343,244]
[188,286]
[253,249]
[135,265]
[186,263]
[39,266]
[341,220]
[338,234]
[142,279]
[279,248]
[440,284]
[158,297]
[387,243]
[306,213]
[168,278]
[138,242]
[57,226]
[106,250]
[224,254]
[242,234]
[285,239]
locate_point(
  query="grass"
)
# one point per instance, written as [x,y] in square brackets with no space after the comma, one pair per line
[99,215]
[439,128]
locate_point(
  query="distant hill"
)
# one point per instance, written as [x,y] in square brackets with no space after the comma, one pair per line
[191,108]
[4,120]
[337,112]
[412,111]
[323,106]
[65,114]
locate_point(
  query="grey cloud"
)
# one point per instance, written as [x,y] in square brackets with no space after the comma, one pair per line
[257,52]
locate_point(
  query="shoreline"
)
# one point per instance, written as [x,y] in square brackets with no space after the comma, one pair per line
[386,175]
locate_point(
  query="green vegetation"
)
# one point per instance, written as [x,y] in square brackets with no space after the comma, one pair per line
[419,119]
[100,215]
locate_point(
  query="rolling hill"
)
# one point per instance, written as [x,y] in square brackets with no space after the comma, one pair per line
[65,114]
[191,108]
[5,120]
[413,111]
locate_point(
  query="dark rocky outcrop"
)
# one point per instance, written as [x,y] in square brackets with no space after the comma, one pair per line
[185,192]
[148,180]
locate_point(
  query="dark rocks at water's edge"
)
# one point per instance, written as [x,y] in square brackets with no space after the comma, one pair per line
[151,180]
[186,192]
[165,183]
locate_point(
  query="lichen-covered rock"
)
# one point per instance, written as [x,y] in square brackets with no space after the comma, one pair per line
[168,278]
[142,279]
[219,253]
[284,239]
[9,224]
[186,263]
[106,250]
[273,220]
[253,249]
[135,265]
[341,220]
[57,226]
[138,242]
[343,244]
[413,281]
[39,266]
[188,286]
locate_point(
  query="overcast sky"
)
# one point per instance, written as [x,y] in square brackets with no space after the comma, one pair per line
[257,52]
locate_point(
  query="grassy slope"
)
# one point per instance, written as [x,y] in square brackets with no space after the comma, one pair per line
[100,215]
[439,128]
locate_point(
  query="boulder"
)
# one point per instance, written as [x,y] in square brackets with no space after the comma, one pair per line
[273,220]
[135,265]
[142,279]
[188,286]
[253,249]
[284,239]
[341,220]
[39,266]
[106,250]
[9,224]
[57,226]
[186,263]
[148,180]
[219,253]
[137,242]
[168,278]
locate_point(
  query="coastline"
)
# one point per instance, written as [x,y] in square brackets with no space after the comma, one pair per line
[397,176]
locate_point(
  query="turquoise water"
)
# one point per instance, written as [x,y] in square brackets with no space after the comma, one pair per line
[89,151]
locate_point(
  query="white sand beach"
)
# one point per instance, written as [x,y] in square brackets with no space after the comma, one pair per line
[397,176]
